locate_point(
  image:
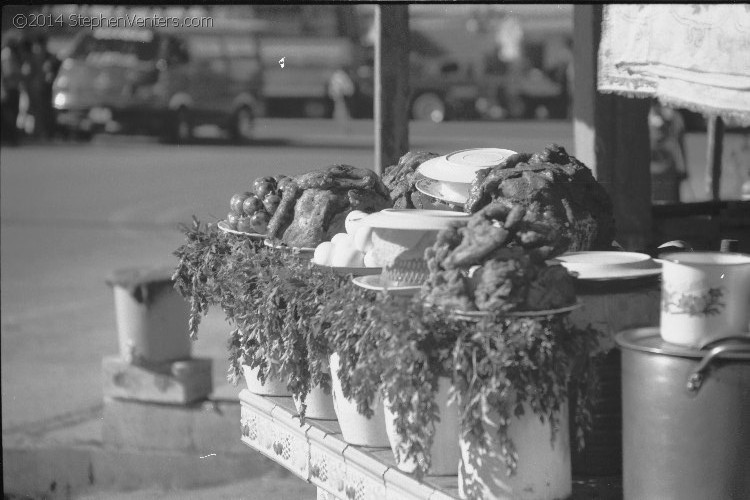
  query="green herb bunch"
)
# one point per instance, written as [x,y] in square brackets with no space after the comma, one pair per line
[416,346]
[201,259]
[498,364]
[399,347]
[504,363]
[272,298]
[349,321]
[275,298]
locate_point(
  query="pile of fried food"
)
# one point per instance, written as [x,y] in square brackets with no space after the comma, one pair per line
[469,270]
[558,194]
[526,210]
[314,205]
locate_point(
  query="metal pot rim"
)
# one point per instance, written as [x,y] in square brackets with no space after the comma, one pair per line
[649,340]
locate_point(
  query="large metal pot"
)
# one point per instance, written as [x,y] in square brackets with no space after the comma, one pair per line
[686,418]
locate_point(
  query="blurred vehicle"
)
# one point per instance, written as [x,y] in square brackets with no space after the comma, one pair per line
[314,41]
[161,81]
[535,85]
[441,87]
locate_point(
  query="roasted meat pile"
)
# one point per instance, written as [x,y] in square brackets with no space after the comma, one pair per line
[496,262]
[552,194]
[314,205]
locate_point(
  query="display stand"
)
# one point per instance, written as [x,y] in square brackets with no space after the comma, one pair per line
[316,453]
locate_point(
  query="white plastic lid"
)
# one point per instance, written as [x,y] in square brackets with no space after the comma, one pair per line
[462,166]
[413,219]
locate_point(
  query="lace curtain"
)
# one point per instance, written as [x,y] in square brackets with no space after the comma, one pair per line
[690,56]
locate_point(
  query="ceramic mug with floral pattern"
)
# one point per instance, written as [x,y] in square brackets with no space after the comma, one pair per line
[705,296]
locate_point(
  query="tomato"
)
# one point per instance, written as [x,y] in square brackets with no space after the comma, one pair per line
[259,220]
[245,225]
[251,205]
[281,184]
[237,200]
[264,188]
[271,202]
[232,219]
[264,185]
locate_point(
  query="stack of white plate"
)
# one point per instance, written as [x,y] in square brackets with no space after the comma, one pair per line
[448,178]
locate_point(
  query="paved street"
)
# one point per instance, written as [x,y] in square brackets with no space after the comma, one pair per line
[71,213]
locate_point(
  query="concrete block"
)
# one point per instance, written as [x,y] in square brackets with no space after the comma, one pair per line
[176,382]
[198,428]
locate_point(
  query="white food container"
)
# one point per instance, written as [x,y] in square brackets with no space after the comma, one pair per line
[705,297]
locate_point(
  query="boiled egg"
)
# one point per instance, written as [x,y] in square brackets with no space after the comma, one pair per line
[347,256]
[323,254]
[342,239]
[363,238]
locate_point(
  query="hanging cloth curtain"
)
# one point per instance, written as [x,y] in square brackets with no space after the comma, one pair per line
[688,56]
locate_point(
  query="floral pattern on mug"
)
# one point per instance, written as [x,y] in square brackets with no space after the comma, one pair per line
[705,304]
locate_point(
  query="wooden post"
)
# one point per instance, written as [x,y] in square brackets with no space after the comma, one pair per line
[715,133]
[611,136]
[391,84]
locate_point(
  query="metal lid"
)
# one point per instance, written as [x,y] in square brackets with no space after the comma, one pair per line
[649,340]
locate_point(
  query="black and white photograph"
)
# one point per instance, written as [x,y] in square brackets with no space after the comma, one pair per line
[375,251]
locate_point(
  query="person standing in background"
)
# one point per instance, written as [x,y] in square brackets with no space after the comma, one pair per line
[668,166]
[48,66]
[10,91]
[31,89]
[341,90]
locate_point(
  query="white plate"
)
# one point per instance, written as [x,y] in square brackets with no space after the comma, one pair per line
[436,189]
[375,282]
[462,166]
[413,218]
[609,265]
[283,246]
[356,271]
[476,315]
[224,226]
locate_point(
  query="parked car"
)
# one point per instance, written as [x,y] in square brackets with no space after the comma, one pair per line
[441,88]
[161,81]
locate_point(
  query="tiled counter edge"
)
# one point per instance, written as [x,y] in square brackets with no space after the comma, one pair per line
[316,453]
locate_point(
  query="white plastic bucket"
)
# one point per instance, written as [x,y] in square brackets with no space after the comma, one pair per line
[444,453]
[357,429]
[151,316]
[272,387]
[544,469]
[319,404]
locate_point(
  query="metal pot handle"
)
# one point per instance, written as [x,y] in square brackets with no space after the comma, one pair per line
[729,344]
